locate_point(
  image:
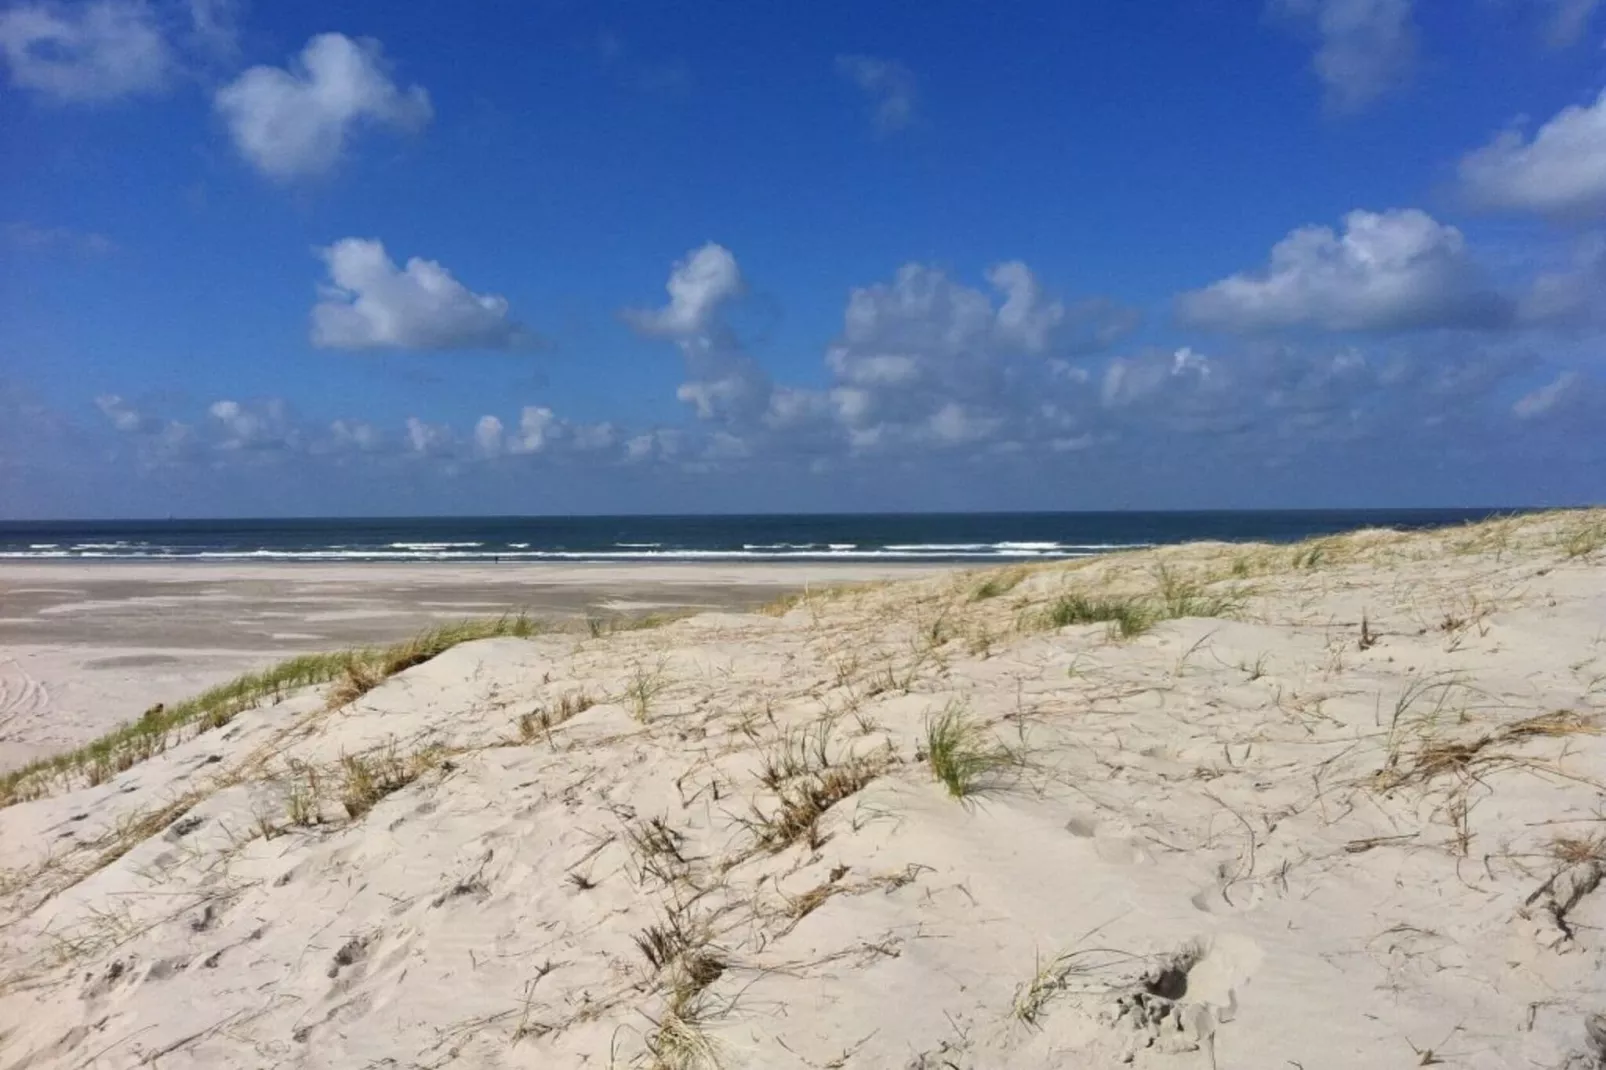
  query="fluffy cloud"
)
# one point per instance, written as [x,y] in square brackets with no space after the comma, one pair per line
[295,122]
[370,303]
[125,417]
[698,285]
[725,383]
[429,439]
[889,85]
[260,426]
[925,362]
[1560,171]
[540,430]
[1395,270]
[94,52]
[1365,49]
[356,436]
[106,50]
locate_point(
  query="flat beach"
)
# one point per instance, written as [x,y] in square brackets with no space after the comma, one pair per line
[1211,807]
[84,647]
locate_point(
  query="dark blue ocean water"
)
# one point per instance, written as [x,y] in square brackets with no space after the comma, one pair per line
[918,537]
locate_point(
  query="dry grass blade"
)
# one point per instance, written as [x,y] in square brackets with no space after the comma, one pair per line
[367,779]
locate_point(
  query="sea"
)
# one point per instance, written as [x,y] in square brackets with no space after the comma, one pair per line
[938,537]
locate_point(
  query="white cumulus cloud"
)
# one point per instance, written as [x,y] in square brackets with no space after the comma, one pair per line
[370,303]
[1394,270]
[725,382]
[295,122]
[1365,47]
[1560,171]
[86,53]
[698,285]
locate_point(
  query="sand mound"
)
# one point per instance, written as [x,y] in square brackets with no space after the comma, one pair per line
[1333,805]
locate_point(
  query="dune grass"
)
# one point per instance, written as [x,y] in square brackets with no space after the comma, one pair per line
[353,672]
[1131,615]
[1127,617]
[1001,582]
[965,757]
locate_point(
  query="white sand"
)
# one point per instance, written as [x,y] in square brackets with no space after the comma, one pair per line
[1242,842]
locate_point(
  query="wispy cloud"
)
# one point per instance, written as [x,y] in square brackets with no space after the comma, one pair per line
[890,86]
[1365,48]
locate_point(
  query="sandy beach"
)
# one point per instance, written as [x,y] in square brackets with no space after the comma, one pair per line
[1236,807]
[84,647]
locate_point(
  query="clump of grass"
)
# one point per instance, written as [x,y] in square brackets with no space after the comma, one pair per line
[366,669]
[354,673]
[301,805]
[1181,597]
[965,756]
[1436,756]
[643,688]
[538,723]
[679,950]
[807,780]
[1127,617]
[1310,555]
[1576,850]
[367,779]
[998,583]
[1073,969]
[1585,536]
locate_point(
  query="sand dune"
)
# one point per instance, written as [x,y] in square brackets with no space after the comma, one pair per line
[1335,805]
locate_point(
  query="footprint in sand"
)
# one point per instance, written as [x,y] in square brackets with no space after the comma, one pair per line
[1114,842]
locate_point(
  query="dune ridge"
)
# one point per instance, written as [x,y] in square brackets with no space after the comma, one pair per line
[1329,805]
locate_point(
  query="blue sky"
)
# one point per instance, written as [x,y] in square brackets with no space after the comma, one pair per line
[378,258]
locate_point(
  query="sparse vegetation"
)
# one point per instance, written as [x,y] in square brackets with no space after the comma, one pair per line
[1127,617]
[1184,597]
[1130,615]
[1584,536]
[679,951]
[998,583]
[643,688]
[808,780]
[965,756]
[1436,753]
[537,724]
[354,673]
[368,778]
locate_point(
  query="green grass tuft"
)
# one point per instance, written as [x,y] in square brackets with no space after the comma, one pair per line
[965,756]
[1127,617]
[998,583]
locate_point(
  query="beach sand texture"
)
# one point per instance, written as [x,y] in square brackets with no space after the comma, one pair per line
[1330,805]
